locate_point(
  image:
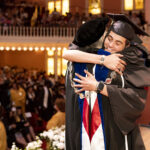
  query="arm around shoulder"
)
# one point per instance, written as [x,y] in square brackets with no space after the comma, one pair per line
[79,56]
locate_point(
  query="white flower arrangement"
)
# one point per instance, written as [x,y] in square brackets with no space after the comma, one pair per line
[35,145]
[14,147]
[55,137]
[55,140]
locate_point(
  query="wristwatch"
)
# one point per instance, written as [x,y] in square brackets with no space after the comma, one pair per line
[100,87]
[102,59]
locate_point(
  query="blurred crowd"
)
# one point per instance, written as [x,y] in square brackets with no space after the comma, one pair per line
[138,19]
[23,14]
[28,101]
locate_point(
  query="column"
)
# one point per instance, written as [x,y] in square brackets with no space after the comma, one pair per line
[147,11]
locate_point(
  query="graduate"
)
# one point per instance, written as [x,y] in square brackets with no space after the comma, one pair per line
[102,109]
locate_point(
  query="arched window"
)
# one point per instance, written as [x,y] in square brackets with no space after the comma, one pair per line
[139,4]
[55,63]
[95,6]
[128,4]
[62,6]
[133,4]
[50,62]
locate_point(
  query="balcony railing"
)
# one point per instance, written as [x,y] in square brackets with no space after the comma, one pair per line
[41,31]
[37,31]
[45,34]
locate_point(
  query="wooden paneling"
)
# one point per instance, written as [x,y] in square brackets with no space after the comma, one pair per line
[147,11]
[112,6]
[24,59]
[77,6]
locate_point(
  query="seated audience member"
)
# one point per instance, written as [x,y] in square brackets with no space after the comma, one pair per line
[57,119]
[13,135]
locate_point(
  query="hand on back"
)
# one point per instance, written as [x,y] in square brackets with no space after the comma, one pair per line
[114,62]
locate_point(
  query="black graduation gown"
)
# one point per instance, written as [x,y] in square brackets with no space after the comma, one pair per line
[120,109]
[73,115]
[45,113]
[4,95]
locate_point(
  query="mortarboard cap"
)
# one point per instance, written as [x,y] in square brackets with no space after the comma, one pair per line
[124,18]
[125,27]
[90,31]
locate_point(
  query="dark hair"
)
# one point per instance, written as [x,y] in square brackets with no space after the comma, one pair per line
[127,43]
[60,103]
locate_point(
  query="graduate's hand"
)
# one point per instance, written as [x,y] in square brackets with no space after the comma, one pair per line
[88,83]
[114,62]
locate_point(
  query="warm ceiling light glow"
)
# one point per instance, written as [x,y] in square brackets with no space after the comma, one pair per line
[50,53]
[36,48]
[7,48]
[65,48]
[19,48]
[30,49]
[13,48]
[2,48]
[47,48]
[25,48]
[96,11]
[59,48]
[53,48]
[42,48]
